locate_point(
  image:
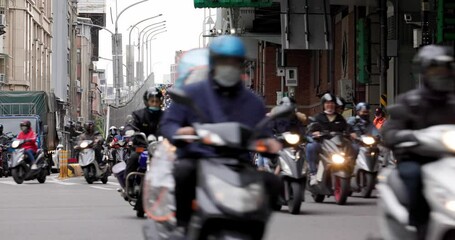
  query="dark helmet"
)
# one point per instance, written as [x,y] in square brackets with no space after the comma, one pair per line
[436,56]
[152,92]
[328,97]
[1,127]
[341,103]
[89,125]
[362,106]
[26,123]
[433,55]
[227,46]
[379,112]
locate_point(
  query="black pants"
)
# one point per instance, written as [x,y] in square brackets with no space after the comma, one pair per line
[185,188]
[132,165]
[411,174]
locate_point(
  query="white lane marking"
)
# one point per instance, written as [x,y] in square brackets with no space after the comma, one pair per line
[63,183]
[9,183]
[103,188]
[113,183]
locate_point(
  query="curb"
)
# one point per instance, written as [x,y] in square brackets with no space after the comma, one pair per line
[74,170]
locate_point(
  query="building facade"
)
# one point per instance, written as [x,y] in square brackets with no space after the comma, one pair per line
[84,69]
[26,50]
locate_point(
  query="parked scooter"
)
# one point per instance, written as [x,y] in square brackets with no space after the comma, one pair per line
[133,194]
[230,194]
[439,191]
[334,169]
[87,160]
[367,166]
[293,173]
[21,168]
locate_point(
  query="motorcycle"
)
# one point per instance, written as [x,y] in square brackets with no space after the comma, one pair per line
[334,169]
[439,191]
[366,167]
[231,197]
[133,194]
[21,168]
[293,173]
[87,160]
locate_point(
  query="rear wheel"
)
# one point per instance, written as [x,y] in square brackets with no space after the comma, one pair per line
[342,190]
[367,184]
[294,197]
[104,179]
[18,174]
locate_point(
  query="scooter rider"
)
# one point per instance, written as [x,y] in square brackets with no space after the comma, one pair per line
[361,124]
[329,120]
[113,132]
[147,121]
[30,145]
[91,134]
[433,104]
[223,97]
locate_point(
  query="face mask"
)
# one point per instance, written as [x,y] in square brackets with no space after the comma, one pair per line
[227,76]
[441,83]
[154,109]
[329,112]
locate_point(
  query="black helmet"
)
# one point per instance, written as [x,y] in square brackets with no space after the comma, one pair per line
[379,112]
[26,123]
[1,127]
[362,106]
[152,92]
[328,97]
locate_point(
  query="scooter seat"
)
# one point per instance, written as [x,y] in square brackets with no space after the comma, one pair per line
[398,187]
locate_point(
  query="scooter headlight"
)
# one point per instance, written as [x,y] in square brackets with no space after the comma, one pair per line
[368,140]
[246,199]
[15,143]
[338,159]
[449,140]
[84,144]
[291,138]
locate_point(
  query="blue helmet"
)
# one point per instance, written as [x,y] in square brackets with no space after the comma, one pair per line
[227,46]
[362,106]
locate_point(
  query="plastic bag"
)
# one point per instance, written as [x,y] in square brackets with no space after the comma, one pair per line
[159,185]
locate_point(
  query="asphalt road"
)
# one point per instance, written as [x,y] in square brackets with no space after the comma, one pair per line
[74,210]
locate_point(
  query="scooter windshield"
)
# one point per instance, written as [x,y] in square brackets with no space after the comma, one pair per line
[86,157]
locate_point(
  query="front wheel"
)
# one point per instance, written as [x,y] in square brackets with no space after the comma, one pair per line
[369,181]
[104,179]
[294,197]
[87,176]
[341,190]
[42,177]
[318,198]
[18,175]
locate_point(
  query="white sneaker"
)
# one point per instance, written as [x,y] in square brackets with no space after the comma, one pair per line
[313,180]
[34,167]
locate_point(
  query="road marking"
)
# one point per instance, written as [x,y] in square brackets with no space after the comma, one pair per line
[103,188]
[63,183]
[9,183]
[113,183]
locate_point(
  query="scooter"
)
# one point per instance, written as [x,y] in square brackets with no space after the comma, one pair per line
[293,173]
[439,190]
[92,170]
[133,194]
[231,198]
[366,167]
[21,168]
[334,169]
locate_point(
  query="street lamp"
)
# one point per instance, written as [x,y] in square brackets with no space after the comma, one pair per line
[117,54]
[149,63]
[144,41]
[130,54]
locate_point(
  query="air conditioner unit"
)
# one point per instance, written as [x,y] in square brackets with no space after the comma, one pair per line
[2,20]
[80,119]
[2,78]
[291,77]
